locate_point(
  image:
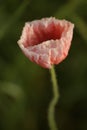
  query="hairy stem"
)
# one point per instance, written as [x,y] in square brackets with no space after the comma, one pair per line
[51,109]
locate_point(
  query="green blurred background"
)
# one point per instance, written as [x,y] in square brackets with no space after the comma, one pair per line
[25,88]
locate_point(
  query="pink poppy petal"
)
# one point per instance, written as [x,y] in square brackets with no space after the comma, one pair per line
[46,41]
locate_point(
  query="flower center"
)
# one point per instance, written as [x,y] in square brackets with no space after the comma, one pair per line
[42,33]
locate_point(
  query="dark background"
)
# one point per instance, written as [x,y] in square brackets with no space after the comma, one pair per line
[25,88]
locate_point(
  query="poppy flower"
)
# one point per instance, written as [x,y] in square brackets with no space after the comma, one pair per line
[46,41]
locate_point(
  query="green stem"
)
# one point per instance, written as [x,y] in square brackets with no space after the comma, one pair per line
[51,109]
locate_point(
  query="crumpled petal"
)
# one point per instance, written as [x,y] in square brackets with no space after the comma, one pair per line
[46,41]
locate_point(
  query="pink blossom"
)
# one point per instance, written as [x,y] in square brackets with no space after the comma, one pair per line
[46,41]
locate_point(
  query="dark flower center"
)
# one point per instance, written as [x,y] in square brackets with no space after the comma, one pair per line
[44,33]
